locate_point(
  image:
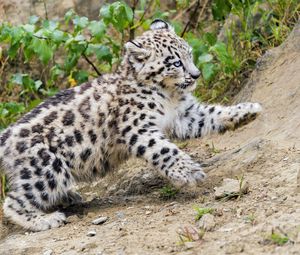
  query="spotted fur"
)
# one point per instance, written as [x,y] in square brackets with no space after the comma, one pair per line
[82,133]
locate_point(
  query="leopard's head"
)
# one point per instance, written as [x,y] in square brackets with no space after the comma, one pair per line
[161,57]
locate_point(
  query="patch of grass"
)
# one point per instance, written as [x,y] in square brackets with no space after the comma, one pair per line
[278,239]
[168,192]
[201,211]
[190,234]
[3,187]
[251,219]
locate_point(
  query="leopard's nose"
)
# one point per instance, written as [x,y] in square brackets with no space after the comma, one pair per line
[195,75]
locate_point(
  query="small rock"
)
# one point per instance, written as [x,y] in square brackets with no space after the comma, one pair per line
[234,248]
[72,218]
[91,233]
[231,188]
[100,220]
[190,245]
[48,252]
[207,222]
[120,215]
[148,212]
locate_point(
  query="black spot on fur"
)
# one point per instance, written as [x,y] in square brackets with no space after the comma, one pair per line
[175,152]
[52,184]
[78,136]
[44,196]
[69,140]
[126,130]
[133,139]
[152,105]
[18,162]
[38,171]
[141,150]
[38,128]
[155,156]
[51,134]
[21,147]
[50,118]
[93,136]
[24,132]
[84,108]
[25,174]
[68,118]
[37,139]
[42,153]
[211,109]
[142,131]
[151,142]
[57,164]
[85,154]
[164,150]
[29,195]
[85,87]
[4,136]
[142,116]
[27,186]
[39,185]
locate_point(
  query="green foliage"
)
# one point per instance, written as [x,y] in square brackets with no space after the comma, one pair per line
[41,57]
[201,211]
[168,192]
[278,239]
[9,112]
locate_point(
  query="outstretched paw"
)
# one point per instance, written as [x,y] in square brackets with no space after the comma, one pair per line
[186,173]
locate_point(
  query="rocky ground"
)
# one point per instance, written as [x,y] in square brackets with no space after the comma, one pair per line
[263,218]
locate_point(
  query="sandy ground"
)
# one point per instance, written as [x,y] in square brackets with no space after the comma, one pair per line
[265,153]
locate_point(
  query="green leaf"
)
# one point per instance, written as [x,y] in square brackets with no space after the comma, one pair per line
[119,14]
[18,78]
[80,22]
[50,24]
[97,28]
[42,49]
[220,9]
[29,28]
[59,36]
[205,58]
[210,38]
[69,14]
[71,61]
[38,84]
[13,49]
[208,71]
[102,52]
[33,19]
[80,76]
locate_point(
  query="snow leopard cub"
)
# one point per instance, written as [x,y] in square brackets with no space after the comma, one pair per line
[81,133]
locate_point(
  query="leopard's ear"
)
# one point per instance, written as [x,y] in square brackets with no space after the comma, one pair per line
[137,50]
[160,24]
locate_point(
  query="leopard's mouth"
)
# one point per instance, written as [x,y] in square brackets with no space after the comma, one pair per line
[185,85]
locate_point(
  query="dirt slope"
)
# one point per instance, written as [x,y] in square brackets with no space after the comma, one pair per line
[266,153]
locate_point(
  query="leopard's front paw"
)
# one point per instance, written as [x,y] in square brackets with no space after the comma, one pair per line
[186,173]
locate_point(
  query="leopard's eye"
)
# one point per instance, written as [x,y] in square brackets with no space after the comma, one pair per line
[177,63]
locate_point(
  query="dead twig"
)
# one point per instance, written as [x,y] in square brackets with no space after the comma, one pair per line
[191,19]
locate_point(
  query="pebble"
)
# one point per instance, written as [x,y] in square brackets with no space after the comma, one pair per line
[190,245]
[72,218]
[100,220]
[148,212]
[207,222]
[231,187]
[48,252]
[120,215]
[91,233]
